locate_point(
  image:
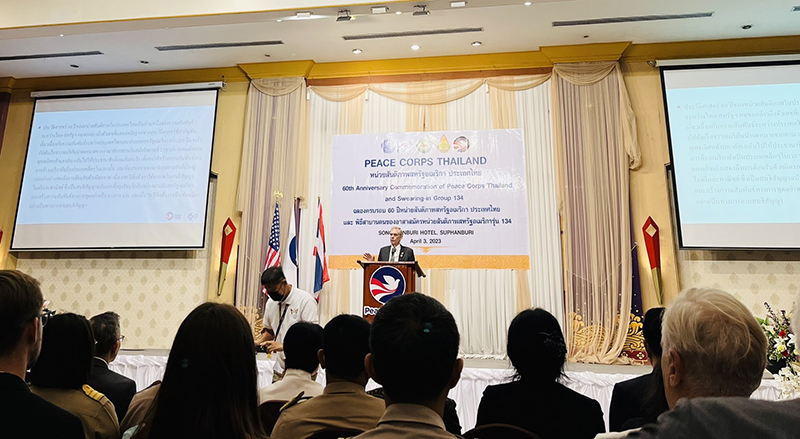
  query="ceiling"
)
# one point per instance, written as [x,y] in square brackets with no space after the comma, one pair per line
[507,26]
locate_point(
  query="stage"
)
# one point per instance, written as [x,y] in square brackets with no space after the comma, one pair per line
[593,380]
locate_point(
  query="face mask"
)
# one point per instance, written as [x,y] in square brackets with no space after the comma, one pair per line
[274,295]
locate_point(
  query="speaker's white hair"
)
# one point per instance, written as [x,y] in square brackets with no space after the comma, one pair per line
[720,343]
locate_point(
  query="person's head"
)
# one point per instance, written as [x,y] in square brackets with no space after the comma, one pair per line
[21,305]
[712,346]
[300,346]
[536,346]
[651,329]
[66,358]
[395,235]
[414,349]
[345,343]
[107,335]
[210,383]
[274,281]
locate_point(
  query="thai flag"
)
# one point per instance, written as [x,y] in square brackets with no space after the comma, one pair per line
[274,251]
[321,271]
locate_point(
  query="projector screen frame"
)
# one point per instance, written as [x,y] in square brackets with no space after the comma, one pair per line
[671,165]
[132,91]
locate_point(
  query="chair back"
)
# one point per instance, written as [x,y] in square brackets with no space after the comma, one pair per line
[335,433]
[499,431]
[269,412]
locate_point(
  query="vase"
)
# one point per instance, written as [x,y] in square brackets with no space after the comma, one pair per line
[774,366]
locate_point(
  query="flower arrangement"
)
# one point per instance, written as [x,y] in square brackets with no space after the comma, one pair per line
[780,339]
[782,351]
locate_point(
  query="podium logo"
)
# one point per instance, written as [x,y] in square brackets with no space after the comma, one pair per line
[387,283]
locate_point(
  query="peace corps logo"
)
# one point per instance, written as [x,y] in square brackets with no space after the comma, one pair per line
[387,283]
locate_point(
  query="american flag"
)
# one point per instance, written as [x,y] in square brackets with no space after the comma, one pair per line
[274,250]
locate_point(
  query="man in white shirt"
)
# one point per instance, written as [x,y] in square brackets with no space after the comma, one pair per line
[286,306]
[394,252]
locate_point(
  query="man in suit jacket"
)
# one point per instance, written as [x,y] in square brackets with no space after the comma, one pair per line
[640,400]
[394,252]
[118,388]
[23,414]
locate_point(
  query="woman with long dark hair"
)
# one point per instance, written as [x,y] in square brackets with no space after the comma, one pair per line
[209,386]
[535,400]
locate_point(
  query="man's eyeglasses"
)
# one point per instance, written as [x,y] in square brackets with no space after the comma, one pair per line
[45,316]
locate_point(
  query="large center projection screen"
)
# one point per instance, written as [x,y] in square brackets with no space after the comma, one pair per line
[117,172]
[735,145]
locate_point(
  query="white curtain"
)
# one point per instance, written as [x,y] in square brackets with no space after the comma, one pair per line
[596,145]
[274,159]
[482,301]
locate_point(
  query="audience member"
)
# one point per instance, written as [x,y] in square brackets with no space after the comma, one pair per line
[640,400]
[535,400]
[139,406]
[450,416]
[414,354]
[344,404]
[209,386]
[23,414]
[118,388]
[714,347]
[62,372]
[303,341]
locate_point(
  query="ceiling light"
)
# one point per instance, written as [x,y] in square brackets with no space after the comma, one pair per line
[344,15]
[379,9]
[415,47]
[279,20]
[60,35]
[398,13]
[527,3]
[747,27]
[476,43]
[458,4]
[421,11]
[306,14]
[356,51]
[144,62]
[74,66]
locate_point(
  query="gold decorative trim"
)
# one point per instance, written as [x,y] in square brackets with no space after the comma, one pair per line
[585,52]
[429,262]
[713,48]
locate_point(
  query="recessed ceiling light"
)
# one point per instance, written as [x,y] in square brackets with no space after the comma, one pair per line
[356,51]
[398,13]
[586,36]
[747,26]
[267,55]
[415,47]
[74,66]
[279,20]
[60,35]
[459,4]
[379,9]
[306,14]
[527,3]
[144,62]
[476,43]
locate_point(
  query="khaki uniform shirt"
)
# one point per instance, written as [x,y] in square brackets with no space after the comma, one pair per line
[138,408]
[342,405]
[293,382]
[95,411]
[408,421]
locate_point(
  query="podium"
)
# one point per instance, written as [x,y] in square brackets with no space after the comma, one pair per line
[383,281]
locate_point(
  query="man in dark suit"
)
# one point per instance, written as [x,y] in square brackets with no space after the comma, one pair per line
[640,400]
[394,252]
[119,389]
[23,414]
